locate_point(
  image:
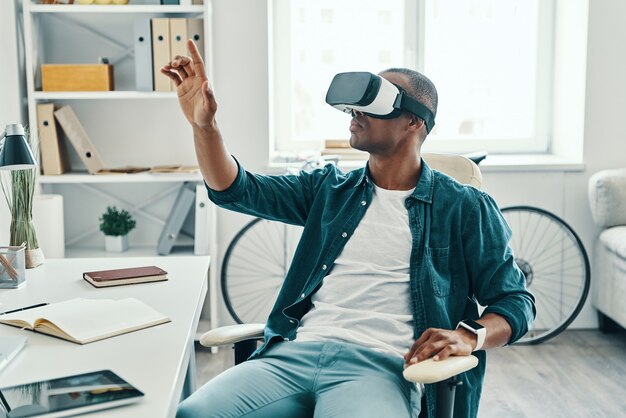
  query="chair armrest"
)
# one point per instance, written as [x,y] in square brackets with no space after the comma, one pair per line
[232,334]
[429,371]
[607,197]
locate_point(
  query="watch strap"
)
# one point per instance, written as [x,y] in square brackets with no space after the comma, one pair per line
[481,334]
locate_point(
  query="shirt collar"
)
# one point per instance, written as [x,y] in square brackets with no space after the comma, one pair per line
[423,190]
[365,177]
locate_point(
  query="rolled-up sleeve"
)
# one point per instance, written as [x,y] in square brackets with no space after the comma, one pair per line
[285,198]
[233,193]
[496,280]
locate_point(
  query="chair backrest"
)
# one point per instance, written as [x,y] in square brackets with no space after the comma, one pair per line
[460,168]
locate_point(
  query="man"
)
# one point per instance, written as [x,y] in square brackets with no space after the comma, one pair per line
[392,257]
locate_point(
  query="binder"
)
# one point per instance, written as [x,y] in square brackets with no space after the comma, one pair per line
[178,37]
[143,55]
[79,139]
[195,31]
[160,52]
[54,158]
[183,203]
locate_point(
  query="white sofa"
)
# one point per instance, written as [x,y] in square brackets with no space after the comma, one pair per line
[607,199]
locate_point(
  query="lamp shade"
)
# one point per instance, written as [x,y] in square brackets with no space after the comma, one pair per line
[15,153]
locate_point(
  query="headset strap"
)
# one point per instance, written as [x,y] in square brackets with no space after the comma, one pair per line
[409,104]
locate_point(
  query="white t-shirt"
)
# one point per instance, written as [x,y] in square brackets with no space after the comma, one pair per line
[365,299]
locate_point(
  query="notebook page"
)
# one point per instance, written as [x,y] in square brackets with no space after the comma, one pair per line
[28,315]
[92,319]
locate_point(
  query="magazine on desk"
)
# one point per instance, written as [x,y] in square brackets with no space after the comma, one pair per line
[83,321]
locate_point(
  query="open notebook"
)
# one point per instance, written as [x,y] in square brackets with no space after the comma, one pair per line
[87,320]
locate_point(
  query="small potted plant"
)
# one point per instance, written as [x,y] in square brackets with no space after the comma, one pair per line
[116,224]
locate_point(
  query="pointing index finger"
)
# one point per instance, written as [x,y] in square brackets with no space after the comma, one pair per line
[198,63]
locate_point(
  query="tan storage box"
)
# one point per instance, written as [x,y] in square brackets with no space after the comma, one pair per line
[77,77]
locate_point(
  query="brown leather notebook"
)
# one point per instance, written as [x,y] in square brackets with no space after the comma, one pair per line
[132,275]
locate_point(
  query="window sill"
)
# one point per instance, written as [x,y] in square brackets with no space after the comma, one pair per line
[493,163]
[530,162]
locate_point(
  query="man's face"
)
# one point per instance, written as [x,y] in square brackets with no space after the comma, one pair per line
[380,136]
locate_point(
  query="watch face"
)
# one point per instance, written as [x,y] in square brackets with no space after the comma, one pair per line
[475,325]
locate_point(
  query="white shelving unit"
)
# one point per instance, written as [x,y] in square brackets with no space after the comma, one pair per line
[121,178]
[128,127]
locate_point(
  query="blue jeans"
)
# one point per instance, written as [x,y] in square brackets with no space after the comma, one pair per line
[308,379]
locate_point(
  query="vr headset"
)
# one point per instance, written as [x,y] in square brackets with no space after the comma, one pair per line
[375,96]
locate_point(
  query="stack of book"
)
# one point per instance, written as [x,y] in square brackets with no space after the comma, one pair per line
[342,149]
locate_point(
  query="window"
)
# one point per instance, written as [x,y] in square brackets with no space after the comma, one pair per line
[491,61]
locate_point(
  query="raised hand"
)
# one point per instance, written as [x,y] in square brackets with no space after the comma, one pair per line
[192,85]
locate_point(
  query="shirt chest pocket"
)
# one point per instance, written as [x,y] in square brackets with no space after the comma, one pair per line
[438,265]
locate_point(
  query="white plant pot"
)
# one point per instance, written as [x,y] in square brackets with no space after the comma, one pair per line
[116,244]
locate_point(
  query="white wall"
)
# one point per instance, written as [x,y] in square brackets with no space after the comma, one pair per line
[11,88]
[10,103]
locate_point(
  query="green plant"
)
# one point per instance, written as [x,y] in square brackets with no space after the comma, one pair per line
[116,222]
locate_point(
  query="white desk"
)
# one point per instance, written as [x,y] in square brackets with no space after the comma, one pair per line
[155,359]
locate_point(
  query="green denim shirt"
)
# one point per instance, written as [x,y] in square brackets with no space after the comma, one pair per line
[459,258]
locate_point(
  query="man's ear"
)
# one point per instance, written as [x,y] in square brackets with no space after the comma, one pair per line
[415,122]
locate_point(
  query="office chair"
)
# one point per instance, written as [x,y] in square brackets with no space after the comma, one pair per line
[443,373]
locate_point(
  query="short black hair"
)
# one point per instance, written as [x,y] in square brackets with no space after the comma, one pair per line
[420,87]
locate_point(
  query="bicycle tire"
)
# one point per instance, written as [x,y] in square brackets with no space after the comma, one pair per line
[559,278]
[254,267]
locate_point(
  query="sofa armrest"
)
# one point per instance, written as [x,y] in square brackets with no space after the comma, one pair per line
[232,334]
[430,371]
[607,197]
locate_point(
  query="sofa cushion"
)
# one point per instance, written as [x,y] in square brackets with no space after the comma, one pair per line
[614,239]
[607,197]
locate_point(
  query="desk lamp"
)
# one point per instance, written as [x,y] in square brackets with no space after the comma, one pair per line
[15,154]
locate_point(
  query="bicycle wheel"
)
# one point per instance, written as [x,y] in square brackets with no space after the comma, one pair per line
[254,267]
[556,267]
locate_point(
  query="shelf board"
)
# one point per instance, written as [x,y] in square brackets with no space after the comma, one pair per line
[133,251]
[99,95]
[122,8]
[120,178]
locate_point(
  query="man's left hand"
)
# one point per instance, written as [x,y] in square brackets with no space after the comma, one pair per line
[440,344]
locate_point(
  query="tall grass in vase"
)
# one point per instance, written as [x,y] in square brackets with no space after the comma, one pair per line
[19,193]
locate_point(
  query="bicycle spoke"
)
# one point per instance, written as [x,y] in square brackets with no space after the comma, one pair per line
[248,268]
[254,250]
[255,268]
[260,278]
[546,312]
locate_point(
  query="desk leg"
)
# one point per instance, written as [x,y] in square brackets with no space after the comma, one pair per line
[191,383]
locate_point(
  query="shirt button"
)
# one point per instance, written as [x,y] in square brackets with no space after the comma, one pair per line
[285,339]
[291,321]
[324,266]
[363,203]
[344,234]
[302,296]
